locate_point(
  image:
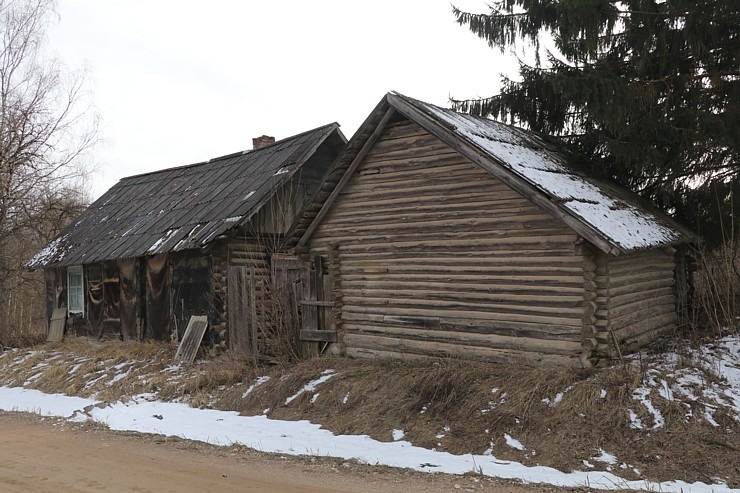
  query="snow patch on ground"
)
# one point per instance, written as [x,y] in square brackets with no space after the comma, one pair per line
[311,386]
[513,442]
[259,381]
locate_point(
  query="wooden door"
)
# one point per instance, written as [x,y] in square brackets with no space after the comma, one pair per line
[317,304]
[242,308]
[287,290]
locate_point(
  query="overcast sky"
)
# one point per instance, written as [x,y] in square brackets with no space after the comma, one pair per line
[178,82]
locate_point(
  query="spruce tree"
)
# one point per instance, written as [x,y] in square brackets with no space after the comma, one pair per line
[648,89]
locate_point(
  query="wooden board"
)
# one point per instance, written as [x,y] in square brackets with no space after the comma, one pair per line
[191,340]
[238,308]
[56,325]
[319,335]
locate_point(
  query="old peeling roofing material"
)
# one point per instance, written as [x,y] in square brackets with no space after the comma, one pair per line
[179,208]
[617,216]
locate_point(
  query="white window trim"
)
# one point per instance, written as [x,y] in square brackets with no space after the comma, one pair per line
[76,270]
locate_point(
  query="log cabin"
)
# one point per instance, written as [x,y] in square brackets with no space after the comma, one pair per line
[161,247]
[438,233]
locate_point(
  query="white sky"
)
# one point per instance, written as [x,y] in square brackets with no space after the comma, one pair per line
[178,82]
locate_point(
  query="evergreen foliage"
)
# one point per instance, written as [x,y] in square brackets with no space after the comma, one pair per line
[649,89]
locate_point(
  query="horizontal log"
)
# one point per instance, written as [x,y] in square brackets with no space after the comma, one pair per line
[497,328]
[468,313]
[471,228]
[556,310]
[664,265]
[492,258]
[518,279]
[616,301]
[503,287]
[481,326]
[627,262]
[457,293]
[462,257]
[472,271]
[549,346]
[636,278]
[637,287]
[389,186]
[668,302]
[431,148]
[466,204]
[636,340]
[412,169]
[402,128]
[493,211]
[471,240]
[318,335]
[402,135]
[316,303]
[416,190]
[450,199]
[357,343]
[639,318]
[483,229]
[431,247]
[263,257]
[481,269]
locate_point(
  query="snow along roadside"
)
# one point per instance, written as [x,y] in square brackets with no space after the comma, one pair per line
[305,438]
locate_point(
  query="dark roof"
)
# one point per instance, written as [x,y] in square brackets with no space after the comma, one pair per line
[612,218]
[180,208]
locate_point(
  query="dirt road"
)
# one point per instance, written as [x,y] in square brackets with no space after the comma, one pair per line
[44,455]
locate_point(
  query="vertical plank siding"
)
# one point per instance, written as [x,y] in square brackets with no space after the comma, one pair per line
[433,255]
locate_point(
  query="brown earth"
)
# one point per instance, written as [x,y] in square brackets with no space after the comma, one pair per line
[44,455]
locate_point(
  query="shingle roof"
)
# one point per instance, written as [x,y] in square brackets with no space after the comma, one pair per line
[180,208]
[614,219]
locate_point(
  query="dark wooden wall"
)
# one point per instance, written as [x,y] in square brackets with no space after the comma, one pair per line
[435,256]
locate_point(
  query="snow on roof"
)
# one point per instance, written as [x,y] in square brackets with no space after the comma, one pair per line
[621,222]
[54,249]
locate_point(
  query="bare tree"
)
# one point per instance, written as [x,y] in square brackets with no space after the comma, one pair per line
[46,127]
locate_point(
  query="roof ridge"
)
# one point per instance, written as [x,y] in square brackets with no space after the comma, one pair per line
[233,154]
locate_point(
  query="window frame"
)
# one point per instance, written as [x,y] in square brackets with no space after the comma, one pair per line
[70,271]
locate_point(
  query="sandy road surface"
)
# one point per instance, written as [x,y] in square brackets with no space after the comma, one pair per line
[43,455]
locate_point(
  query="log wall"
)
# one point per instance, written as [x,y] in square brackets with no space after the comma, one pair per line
[435,256]
[636,300]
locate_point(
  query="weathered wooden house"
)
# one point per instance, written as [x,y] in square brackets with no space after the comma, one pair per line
[439,233]
[160,247]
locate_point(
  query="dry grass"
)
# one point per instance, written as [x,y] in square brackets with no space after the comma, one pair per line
[562,416]
[716,290]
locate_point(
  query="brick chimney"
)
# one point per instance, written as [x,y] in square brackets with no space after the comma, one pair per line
[262,141]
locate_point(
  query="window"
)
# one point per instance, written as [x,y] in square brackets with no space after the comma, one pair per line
[75,290]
